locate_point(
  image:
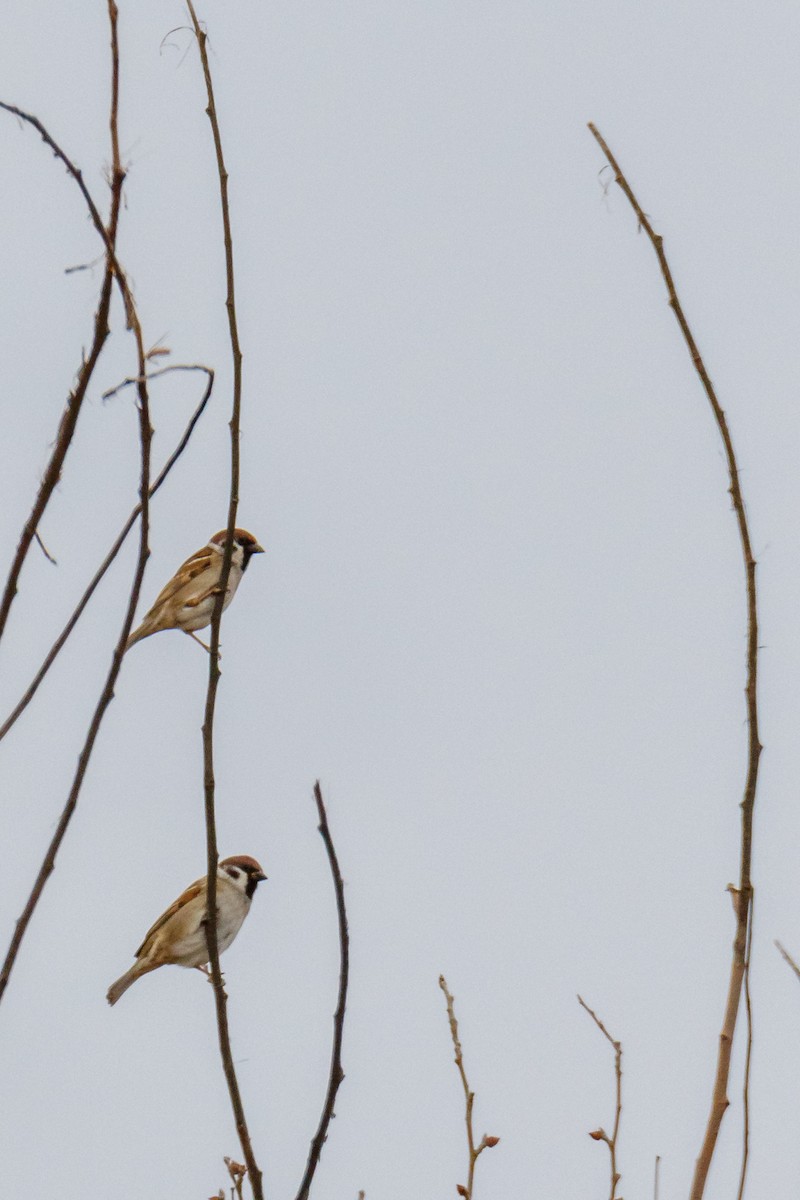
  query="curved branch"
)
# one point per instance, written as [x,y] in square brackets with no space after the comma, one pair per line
[60,641]
[743,899]
[336,1073]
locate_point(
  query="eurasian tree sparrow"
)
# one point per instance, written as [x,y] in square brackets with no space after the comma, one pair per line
[187,602]
[179,934]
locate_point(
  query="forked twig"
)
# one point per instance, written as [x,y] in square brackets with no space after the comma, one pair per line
[72,410]
[77,612]
[212,854]
[336,1073]
[600,1135]
[719,1099]
[107,694]
[486,1142]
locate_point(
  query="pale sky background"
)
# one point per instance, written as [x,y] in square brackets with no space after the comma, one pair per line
[501,612]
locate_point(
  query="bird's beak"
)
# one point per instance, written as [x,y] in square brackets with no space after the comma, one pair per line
[259,876]
[257,548]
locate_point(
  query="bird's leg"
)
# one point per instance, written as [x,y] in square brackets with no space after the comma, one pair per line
[203,644]
[206,970]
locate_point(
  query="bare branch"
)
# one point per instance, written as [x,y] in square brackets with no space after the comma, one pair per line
[120,540]
[69,417]
[220,998]
[107,694]
[719,1100]
[336,1073]
[748,1008]
[787,958]
[600,1135]
[486,1142]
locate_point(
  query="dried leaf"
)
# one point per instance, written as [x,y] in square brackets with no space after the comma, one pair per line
[462,1191]
[597,1135]
[490,1141]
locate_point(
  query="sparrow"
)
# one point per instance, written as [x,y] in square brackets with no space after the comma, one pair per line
[179,934]
[187,602]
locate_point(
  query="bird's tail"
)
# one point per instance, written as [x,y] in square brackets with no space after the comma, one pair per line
[142,632]
[121,986]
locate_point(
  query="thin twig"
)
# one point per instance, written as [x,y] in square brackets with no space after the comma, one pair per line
[486,1142]
[69,417]
[787,958]
[120,540]
[108,234]
[719,1099]
[220,998]
[107,694]
[656,1175]
[336,1074]
[600,1135]
[43,548]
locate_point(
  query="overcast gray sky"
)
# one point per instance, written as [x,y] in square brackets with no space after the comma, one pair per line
[501,611]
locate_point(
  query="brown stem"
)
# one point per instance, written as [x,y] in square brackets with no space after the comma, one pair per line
[58,644]
[600,1135]
[748,1008]
[336,1073]
[220,998]
[107,694]
[69,417]
[719,1099]
[486,1142]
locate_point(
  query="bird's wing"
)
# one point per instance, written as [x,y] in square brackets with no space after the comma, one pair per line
[193,891]
[185,576]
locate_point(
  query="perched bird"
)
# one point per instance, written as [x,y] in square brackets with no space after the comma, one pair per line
[187,602]
[179,934]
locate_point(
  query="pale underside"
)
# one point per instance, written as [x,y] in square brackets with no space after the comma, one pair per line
[178,936]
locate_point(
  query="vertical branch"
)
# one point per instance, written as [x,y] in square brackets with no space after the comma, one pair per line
[600,1135]
[336,1073]
[486,1142]
[212,853]
[107,694]
[744,897]
[748,1009]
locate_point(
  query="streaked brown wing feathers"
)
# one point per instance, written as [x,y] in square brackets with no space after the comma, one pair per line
[191,893]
